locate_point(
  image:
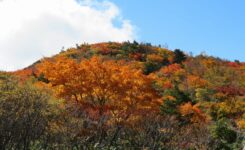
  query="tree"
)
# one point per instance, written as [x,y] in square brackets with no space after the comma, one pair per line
[25,114]
[153,63]
[107,92]
[224,137]
[179,56]
[192,111]
[172,99]
[173,73]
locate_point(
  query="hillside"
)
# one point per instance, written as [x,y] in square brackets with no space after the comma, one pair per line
[124,95]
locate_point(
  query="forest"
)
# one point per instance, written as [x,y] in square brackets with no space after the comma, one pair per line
[129,95]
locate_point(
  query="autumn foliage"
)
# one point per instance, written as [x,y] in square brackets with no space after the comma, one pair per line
[126,95]
[102,87]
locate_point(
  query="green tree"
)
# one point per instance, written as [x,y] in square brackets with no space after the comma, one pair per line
[224,136]
[179,56]
[172,99]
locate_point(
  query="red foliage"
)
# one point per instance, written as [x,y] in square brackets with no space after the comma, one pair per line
[233,64]
[231,90]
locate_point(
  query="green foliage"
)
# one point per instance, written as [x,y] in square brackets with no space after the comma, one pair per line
[128,47]
[202,94]
[224,136]
[179,56]
[42,78]
[25,114]
[222,132]
[150,67]
[170,106]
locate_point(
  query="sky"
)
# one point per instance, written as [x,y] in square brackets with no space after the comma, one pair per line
[32,29]
[216,27]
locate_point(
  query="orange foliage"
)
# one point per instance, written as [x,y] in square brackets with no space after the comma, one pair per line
[102,48]
[197,116]
[208,63]
[24,74]
[136,56]
[196,82]
[172,69]
[106,48]
[154,58]
[102,87]
[172,73]
[167,85]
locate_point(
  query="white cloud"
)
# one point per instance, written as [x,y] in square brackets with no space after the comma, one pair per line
[31,29]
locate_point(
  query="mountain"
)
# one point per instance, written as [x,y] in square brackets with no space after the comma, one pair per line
[127,95]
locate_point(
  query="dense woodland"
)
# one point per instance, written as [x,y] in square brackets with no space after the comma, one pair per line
[124,96]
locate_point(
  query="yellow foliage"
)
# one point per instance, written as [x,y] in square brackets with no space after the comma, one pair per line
[241,124]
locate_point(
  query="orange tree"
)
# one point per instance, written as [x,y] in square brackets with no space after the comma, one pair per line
[109,92]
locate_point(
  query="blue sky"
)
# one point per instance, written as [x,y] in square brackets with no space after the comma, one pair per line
[214,26]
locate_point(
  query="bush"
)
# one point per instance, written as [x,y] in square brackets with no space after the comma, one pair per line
[25,113]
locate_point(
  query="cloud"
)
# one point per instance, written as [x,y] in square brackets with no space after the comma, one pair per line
[31,29]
